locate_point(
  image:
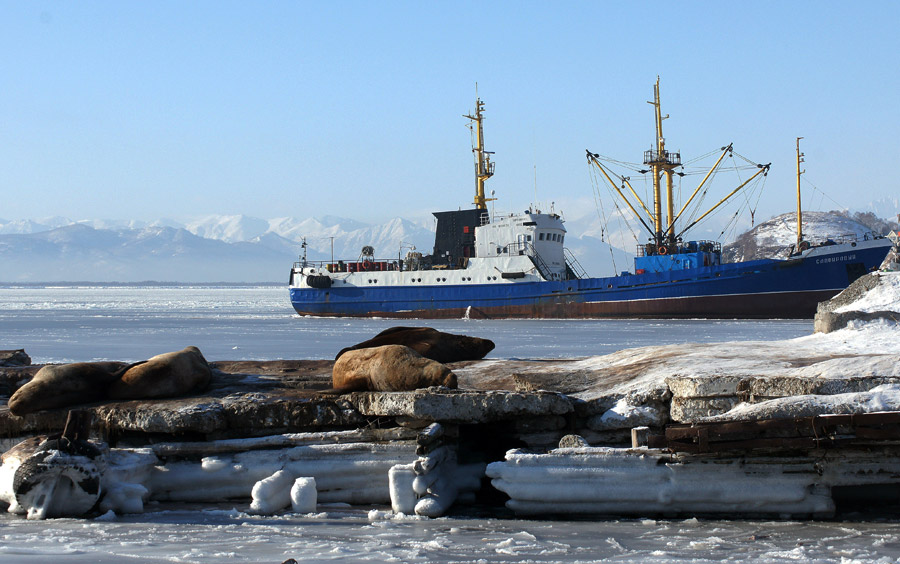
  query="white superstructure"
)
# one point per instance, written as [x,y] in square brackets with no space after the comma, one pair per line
[511,248]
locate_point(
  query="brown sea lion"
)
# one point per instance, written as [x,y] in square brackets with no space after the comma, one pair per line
[430,343]
[63,385]
[163,376]
[388,368]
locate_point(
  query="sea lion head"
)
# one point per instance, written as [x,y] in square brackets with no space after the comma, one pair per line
[436,374]
[56,386]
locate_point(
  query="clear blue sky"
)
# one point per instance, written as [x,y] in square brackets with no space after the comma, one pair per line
[183,109]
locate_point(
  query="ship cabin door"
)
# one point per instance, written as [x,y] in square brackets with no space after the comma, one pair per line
[520,243]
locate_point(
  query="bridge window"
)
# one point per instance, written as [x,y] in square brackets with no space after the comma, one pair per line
[540,237]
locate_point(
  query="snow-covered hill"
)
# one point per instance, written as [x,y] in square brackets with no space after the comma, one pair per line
[776,237]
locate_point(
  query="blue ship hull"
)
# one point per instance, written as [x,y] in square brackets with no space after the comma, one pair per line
[767,288]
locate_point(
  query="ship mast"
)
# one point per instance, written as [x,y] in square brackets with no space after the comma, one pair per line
[663,236]
[484,168]
[662,162]
[799,212]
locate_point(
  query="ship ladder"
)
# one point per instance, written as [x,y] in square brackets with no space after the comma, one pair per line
[538,262]
[573,267]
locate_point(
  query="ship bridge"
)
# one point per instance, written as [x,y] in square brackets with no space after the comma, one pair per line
[539,236]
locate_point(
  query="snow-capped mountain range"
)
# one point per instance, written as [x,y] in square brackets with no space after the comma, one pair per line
[215,249]
[240,248]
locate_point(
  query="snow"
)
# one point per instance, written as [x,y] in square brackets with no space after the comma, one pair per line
[625,415]
[881,398]
[303,495]
[614,481]
[403,496]
[883,297]
[775,237]
[213,248]
[271,494]
[187,534]
[874,342]
[351,473]
[782,230]
[228,228]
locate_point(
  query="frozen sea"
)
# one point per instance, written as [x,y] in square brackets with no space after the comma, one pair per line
[67,324]
[74,324]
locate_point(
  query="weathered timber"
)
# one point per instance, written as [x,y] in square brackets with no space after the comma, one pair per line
[820,431]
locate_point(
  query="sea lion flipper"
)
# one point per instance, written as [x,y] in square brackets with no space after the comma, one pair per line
[341,391]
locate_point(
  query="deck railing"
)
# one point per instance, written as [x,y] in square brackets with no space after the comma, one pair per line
[374,265]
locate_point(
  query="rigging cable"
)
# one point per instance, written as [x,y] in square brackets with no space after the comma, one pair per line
[603,219]
[823,194]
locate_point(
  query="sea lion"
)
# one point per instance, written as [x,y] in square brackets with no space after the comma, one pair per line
[163,376]
[430,343]
[388,368]
[51,477]
[63,385]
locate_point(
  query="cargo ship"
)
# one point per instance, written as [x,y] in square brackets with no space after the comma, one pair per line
[517,265]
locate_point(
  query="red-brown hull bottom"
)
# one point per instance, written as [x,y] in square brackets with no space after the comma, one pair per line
[783,305]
